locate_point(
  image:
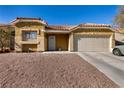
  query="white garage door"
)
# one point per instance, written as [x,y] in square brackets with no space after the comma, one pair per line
[92,43]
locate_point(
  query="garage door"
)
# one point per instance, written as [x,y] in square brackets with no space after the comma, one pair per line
[91,43]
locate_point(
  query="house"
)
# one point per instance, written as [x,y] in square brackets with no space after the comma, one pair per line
[36,35]
[119,36]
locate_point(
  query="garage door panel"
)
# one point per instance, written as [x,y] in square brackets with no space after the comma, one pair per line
[91,43]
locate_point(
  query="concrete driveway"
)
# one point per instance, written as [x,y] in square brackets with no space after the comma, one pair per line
[111,65]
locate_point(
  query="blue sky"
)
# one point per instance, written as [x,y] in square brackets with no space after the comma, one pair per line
[61,15]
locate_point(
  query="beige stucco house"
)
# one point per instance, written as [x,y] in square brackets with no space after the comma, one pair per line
[36,35]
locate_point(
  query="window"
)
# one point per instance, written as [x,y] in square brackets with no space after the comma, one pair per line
[32,35]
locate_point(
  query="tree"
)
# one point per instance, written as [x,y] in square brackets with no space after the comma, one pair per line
[5,37]
[119,19]
[2,39]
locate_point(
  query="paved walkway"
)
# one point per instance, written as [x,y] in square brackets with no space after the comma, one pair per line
[111,65]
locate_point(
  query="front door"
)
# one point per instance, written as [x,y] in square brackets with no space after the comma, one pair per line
[52,43]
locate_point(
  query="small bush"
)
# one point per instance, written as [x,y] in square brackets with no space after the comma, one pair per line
[5,51]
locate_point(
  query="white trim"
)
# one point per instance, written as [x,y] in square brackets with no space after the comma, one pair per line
[110,42]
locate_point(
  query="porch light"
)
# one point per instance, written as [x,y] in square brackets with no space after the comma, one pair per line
[38,43]
[39,32]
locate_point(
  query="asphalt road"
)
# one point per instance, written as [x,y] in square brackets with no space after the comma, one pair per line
[111,65]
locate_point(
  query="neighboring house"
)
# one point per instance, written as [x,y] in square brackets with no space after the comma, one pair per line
[119,36]
[36,35]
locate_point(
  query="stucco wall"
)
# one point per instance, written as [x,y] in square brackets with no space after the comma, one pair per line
[40,36]
[26,46]
[119,37]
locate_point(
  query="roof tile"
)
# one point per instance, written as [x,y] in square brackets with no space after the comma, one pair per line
[58,27]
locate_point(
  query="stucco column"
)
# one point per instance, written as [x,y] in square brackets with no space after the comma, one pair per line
[113,40]
[18,37]
[41,42]
[71,42]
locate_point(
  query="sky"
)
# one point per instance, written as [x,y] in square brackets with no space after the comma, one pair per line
[61,15]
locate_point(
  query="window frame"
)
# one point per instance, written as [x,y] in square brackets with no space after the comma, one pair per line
[28,35]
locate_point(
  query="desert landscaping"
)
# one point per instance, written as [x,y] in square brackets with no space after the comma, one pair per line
[49,70]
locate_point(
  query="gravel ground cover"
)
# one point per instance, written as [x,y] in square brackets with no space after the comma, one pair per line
[42,70]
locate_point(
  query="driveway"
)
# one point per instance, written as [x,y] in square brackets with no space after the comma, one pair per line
[50,70]
[109,64]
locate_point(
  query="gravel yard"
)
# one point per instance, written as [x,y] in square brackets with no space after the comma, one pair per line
[49,70]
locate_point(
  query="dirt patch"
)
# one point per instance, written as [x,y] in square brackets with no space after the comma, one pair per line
[49,70]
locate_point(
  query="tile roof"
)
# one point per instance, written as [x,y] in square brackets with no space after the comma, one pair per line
[2,24]
[94,25]
[90,25]
[59,27]
[23,19]
[56,27]
[68,28]
[5,25]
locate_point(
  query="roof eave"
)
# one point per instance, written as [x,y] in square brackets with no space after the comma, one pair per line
[57,31]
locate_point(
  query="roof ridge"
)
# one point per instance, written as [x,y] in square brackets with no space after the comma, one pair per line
[29,18]
[93,24]
[59,25]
